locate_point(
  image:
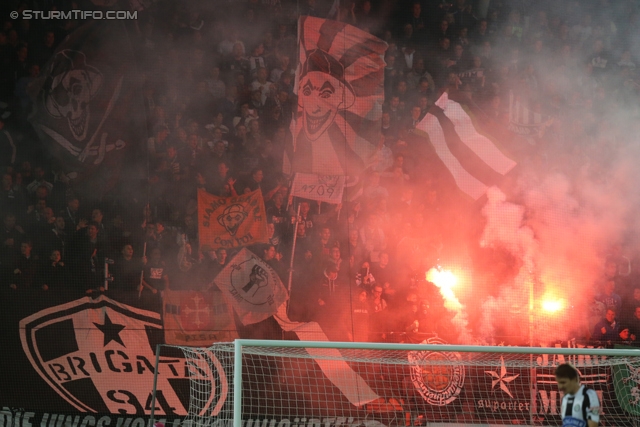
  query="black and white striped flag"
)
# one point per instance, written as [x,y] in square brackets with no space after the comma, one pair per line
[473,160]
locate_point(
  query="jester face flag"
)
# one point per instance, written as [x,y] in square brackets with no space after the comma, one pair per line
[340,96]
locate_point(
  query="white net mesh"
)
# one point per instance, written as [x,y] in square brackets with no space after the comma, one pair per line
[287,387]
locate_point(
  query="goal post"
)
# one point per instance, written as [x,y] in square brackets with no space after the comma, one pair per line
[266,383]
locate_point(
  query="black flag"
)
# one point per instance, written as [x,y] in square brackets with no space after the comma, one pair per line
[89,111]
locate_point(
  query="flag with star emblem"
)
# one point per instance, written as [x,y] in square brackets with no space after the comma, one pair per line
[251,287]
[340,90]
[197,319]
[87,348]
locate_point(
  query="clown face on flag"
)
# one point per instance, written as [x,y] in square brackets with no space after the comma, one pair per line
[340,96]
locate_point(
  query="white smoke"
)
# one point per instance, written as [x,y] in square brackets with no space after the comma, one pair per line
[445,281]
[559,233]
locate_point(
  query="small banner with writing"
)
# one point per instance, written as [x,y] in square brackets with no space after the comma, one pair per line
[231,222]
[197,319]
[252,287]
[324,188]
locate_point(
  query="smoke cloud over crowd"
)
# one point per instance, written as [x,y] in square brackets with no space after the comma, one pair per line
[410,253]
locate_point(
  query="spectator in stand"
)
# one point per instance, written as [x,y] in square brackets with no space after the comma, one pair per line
[608,329]
[379,314]
[360,316]
[215,85]
[39,180]
[11,201]
[633,324]
[53,274]
[278,216]
[52,238]
[70,215]
[608,296]
[381,270]
[86,259]
[127,275]
[155,280]
[24,270]
[158,144]
[11,236]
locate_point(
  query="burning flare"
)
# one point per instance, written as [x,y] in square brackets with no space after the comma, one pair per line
[552,305]
[445,281]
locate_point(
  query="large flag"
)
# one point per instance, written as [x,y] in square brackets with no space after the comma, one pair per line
[89,108]
[251,287]
[324,188]
[340,96]
[197,319]
[472,159]
[231,222]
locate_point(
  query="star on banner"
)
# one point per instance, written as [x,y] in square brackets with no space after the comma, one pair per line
[111,331]
[503,378]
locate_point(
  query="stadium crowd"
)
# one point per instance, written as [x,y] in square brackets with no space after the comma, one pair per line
[219,99]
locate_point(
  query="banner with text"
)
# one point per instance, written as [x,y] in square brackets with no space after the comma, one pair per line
[231,222]
[324,188]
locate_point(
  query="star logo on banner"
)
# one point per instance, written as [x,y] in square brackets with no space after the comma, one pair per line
[111,331]
[502,378]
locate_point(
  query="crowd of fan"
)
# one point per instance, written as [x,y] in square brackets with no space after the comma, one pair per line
[219,99]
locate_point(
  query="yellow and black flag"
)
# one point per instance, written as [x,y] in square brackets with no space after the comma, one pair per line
[231,222]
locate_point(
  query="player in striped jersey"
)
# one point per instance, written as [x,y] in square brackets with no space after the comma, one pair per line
[580,404]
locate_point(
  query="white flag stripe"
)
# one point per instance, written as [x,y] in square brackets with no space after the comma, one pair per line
[464,180]
[352,385]
[479,144]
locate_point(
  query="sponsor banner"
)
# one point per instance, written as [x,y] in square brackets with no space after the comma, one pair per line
[231,222]
[251,287]
[199,319]
[99,356]
[324,188]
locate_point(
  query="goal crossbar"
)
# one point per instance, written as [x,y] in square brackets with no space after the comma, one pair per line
[241,346]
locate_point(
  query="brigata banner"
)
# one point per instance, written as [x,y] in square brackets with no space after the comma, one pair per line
[231,222]
[198,319]
[324,188]
[99,356]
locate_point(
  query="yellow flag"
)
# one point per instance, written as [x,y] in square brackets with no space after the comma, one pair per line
[231,222]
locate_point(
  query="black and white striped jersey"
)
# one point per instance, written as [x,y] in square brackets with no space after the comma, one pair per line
[581,407]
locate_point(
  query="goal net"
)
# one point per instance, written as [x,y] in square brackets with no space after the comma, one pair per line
[321,384]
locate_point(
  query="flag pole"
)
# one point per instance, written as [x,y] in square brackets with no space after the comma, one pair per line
[141,286]
[293,253]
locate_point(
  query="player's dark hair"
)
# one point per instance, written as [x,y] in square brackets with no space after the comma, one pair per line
[566,370]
